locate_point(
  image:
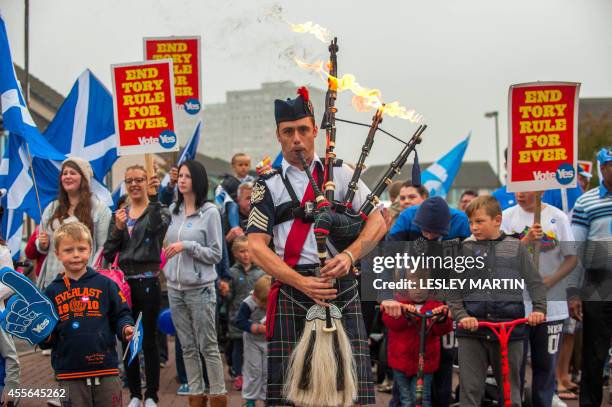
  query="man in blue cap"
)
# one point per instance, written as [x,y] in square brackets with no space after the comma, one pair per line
[590,299]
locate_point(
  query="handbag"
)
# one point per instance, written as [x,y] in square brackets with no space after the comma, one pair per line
[115,274]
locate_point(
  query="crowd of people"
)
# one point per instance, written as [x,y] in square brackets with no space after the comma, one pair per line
[238,273]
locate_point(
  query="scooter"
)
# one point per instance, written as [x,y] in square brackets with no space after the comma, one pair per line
[428,320]
[503,330]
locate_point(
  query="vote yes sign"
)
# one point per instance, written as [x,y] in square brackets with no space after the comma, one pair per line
[543,136]
[185,55]
[143,101]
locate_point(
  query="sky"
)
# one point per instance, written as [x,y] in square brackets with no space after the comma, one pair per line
[450,60]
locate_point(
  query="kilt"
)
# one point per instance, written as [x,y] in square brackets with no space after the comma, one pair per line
[289,324]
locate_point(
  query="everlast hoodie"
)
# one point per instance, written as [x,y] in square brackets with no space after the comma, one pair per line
[91,312]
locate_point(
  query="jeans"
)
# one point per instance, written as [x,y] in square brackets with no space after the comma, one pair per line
[180,364]
[406,386]
[146,298]
[237,356]
[193,314]
[544,342]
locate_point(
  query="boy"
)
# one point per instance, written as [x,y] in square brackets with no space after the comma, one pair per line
[251,318]
[243,274]
[558,257]
[411,195]
[403,342]
[502,257]
[92,310]
[226,194]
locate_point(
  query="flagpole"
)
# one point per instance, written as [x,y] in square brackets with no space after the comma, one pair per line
[26,96]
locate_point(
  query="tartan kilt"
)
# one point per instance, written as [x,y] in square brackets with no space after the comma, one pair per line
[288,326]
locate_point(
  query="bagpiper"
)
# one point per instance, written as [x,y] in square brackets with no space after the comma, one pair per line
[282,241]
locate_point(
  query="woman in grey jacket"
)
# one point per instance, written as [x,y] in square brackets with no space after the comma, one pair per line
[194,241]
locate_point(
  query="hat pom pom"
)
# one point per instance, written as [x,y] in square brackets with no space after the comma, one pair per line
[303,92]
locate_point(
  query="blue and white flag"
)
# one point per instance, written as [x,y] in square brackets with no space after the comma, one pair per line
[439,176]
[135,345]
[118,193]
[82,127]
[189,152]
[15,113]
[20,197]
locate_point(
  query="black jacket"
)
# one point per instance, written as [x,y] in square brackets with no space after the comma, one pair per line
[141,251]
[92,311]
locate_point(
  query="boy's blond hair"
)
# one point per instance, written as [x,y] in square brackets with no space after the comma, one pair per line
[487,202]
[239,241]
[74,230]
[238,156]
[262,288]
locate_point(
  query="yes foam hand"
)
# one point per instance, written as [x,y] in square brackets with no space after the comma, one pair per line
[29,314]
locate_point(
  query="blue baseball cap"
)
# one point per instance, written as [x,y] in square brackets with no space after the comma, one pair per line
[605,155]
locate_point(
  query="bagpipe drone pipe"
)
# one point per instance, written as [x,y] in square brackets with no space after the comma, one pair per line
[342,224]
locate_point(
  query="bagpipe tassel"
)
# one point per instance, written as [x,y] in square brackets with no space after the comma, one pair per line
[319,366]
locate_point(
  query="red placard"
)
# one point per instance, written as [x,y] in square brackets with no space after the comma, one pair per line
[185,55]
[543,142]
[143,95]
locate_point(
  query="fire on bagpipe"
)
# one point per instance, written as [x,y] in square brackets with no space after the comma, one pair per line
[321,370]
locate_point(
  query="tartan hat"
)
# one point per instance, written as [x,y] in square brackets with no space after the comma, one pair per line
[293,109]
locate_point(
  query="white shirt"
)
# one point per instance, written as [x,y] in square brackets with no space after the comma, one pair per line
[299,181]
[557,243]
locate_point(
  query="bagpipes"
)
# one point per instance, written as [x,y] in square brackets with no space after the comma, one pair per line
[321,369]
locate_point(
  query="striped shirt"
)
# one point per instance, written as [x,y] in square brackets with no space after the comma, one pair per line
[592,224]
[592,217]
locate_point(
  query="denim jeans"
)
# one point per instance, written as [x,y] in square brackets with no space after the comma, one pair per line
[193,314]
[407,388]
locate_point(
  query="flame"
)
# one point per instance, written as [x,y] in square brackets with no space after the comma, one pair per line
[364,99]
[321,33]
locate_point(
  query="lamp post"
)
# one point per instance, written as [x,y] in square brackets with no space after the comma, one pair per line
[495,114]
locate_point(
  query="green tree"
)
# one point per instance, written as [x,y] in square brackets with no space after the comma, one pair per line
[594,132]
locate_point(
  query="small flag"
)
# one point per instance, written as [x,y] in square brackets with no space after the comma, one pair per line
[135,345]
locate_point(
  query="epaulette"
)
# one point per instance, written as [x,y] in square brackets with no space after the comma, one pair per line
[268,174]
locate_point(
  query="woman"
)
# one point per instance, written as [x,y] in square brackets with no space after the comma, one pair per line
[194,241]
[137,236]
[75,202]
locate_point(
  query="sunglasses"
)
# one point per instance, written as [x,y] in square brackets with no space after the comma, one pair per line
[129,181]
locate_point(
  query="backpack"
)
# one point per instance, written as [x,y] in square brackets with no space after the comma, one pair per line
[115,274]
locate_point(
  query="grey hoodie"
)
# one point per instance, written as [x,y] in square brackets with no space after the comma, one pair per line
[202,236]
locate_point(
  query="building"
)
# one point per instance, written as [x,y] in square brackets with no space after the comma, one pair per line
[245,122]
[474,175]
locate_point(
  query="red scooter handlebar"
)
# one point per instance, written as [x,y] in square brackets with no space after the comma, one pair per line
[503,330]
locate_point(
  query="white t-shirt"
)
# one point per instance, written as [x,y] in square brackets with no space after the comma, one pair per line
[558,242]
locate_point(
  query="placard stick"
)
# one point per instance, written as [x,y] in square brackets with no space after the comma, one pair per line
[537,216]
[150,169]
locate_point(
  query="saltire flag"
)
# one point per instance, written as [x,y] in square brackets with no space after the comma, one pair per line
[439,176]
[118,193]
[135,344]
[189,151]
[15,177]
